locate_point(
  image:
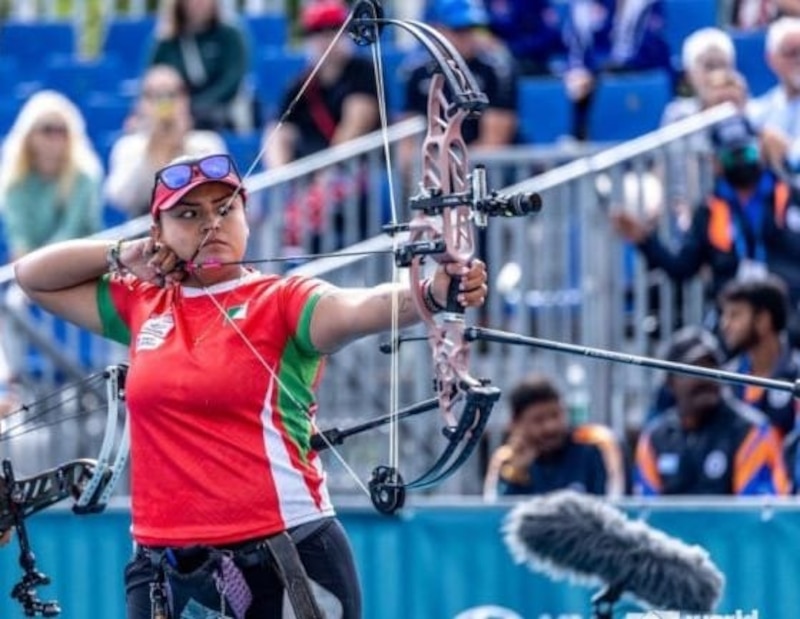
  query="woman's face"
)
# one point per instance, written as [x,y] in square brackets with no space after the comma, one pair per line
[199,12]
[163,97]
[203,220]
[48,144]
[710,61]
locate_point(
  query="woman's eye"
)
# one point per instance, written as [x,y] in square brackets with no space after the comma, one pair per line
[187,215]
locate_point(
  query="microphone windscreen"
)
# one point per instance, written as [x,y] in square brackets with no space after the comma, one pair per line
[586,540]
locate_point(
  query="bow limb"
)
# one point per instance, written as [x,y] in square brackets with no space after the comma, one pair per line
[89,482]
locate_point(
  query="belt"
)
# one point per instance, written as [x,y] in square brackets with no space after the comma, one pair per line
[245,548]
[279,549]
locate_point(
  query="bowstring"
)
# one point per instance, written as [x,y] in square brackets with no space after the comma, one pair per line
[394,371]
[18,422]
[395,297]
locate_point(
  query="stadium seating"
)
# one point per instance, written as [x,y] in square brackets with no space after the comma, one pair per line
[78,78]
[545,113]
[245,150]
[25,41]
[269,30]
[751,61]
[626,106]
[129,38]
[273,73]
[684,17]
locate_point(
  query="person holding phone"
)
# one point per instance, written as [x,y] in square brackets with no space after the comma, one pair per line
[160,129]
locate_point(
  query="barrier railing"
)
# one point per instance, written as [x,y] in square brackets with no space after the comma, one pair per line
[561,275]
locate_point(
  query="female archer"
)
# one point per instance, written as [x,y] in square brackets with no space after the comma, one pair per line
[223,365]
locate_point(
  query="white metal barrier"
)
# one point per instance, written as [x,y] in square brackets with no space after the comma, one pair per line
[560,275]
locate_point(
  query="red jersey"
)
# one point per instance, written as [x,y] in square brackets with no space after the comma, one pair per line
[219,450]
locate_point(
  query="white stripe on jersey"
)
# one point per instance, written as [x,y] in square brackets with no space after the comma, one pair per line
[296,503]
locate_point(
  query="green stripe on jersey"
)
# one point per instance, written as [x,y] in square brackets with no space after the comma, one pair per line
[298,369]
[113,326]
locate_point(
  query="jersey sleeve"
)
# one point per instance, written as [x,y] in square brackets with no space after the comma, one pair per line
[300,296]
[759,467]
[613,463]
[646,478]
[114,296]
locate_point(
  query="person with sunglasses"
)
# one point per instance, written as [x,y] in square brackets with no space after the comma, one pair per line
[220,390]
[747,226]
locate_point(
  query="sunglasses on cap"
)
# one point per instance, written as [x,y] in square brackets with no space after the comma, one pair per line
[213,168]
[174,181]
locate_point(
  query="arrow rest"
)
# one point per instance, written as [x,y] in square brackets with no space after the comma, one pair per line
[387,489]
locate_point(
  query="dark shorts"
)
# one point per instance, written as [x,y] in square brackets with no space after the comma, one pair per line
[325,554]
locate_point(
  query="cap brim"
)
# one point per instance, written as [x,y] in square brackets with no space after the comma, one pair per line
[166,198]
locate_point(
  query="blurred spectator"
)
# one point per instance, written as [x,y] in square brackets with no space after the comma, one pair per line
[339,104]
[755,14]
[776,113]
[50,178]
[543,453]
[750,224]
[494,69]
[161,130]
[530,29]
[50,175]
[709,443]
[210,55]
[705,53]
[610,36]
[709,60]
[753,325]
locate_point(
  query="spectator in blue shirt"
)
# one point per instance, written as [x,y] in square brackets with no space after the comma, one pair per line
[530,29]
[610,35]
[544,452]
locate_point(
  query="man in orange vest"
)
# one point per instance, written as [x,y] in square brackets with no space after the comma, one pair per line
[748,226]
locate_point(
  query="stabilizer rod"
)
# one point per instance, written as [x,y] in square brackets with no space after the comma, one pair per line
[492,335]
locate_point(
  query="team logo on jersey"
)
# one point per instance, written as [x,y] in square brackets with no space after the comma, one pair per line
[715,464]
[778,399]
[793,218]
[668,463]
[237,312]
[154,331]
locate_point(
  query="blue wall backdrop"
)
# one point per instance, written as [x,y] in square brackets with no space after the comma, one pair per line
[434,561]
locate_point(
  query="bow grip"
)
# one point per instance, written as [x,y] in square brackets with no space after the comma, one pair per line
[453,305]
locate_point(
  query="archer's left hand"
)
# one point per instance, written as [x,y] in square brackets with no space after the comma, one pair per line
[473,286]
[5,537]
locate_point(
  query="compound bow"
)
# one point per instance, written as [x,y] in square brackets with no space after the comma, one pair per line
[452,202]
[89,482]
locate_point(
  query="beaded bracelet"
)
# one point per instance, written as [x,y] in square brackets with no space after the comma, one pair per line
[431,304]
[113,259]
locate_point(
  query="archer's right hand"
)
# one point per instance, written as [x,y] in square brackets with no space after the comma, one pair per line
[151,261]
[5,537]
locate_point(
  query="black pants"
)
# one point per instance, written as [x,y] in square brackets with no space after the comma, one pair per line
[327,558]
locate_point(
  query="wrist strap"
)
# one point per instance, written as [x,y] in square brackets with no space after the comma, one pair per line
[431,304]
[113,260]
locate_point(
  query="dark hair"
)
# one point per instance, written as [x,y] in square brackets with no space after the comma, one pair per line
[181,19]
[767,294]
[534,389]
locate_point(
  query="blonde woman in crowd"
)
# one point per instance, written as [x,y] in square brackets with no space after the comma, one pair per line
[50,181]
[49,176]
